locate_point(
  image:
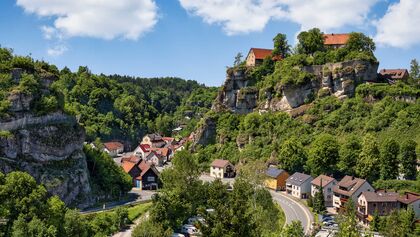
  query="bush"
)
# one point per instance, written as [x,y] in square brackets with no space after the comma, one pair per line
[26,63]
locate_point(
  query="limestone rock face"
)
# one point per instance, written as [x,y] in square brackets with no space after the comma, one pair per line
[52,153]
[338,79]
[206,133]
[49,147]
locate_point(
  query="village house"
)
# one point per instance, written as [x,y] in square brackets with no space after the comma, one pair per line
[154,140]
[349,189]
[222,169]
[380,202]
[336,41]
[256,56]
[393,75]
[144,176]
[142,150]
[276,178]
[327,184]
[410,200]
[299,185]
[113,148]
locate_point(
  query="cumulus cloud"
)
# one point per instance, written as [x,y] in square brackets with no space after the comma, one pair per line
[236,16]
[328,15]
[400,26]
[106,19]
[57,50]
[243,16]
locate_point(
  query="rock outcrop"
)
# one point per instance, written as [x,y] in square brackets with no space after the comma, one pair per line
[338,79]
[49,147]
[206,133]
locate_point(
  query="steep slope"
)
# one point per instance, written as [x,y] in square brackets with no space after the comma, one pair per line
[38,138]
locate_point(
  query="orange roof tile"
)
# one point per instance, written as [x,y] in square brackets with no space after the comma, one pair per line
[127,166]
[336,39]
[111,146]
[261,53]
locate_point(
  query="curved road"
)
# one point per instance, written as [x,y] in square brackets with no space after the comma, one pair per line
[294,210]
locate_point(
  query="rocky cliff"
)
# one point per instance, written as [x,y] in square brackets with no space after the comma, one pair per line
[338,79]
[49,147]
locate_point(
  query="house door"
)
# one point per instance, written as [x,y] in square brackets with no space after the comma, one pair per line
[138,183]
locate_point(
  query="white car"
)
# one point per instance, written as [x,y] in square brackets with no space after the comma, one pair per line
[177,235]
[189,229]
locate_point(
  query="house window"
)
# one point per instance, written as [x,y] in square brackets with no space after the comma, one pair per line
[151,179]
[329,189]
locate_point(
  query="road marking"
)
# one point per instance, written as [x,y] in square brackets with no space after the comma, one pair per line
[302,207]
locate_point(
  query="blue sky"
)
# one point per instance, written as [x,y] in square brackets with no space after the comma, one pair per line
[194,39]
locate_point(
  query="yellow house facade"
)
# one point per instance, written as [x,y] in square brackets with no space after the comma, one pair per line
[276,179]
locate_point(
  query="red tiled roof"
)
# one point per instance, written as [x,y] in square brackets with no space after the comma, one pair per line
[394,73]
[336,39]
[261,53]
[144,167]
[409,197]
[220,163]
[145,147]
[127,166]
[132,159]
[325,180]
[111,146]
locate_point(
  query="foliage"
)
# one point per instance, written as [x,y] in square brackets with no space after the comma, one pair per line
[369,158]
[347,222]
[389,159]
[106,177]
[414,71]
[408,159]
[398,185]
[281,47]
[349,152]
[293,229]
[292,156]
[310,41]
[319,201]
[323,155]
[400,224]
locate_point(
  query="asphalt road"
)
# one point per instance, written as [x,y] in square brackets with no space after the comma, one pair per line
[293,210]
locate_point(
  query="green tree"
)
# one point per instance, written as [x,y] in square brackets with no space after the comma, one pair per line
[319,201]
[408,159]
[349,153]
[389,159]
[310,41]
[238,59]
[151,229]
[281,47]
[292,155]
[375,224]
[293,229]
[74,224]
[414,70]
[347,222]
[323,155]
[368,162]
[360,42]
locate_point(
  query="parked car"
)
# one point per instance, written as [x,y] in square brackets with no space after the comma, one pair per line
[189,229]
[177,235]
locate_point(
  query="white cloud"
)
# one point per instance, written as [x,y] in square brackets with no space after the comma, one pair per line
[400,26]
[243,16]
[328,15]
[57,50]
[106,19]
[236,16]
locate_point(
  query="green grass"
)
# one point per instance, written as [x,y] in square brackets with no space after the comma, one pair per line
[136,211]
